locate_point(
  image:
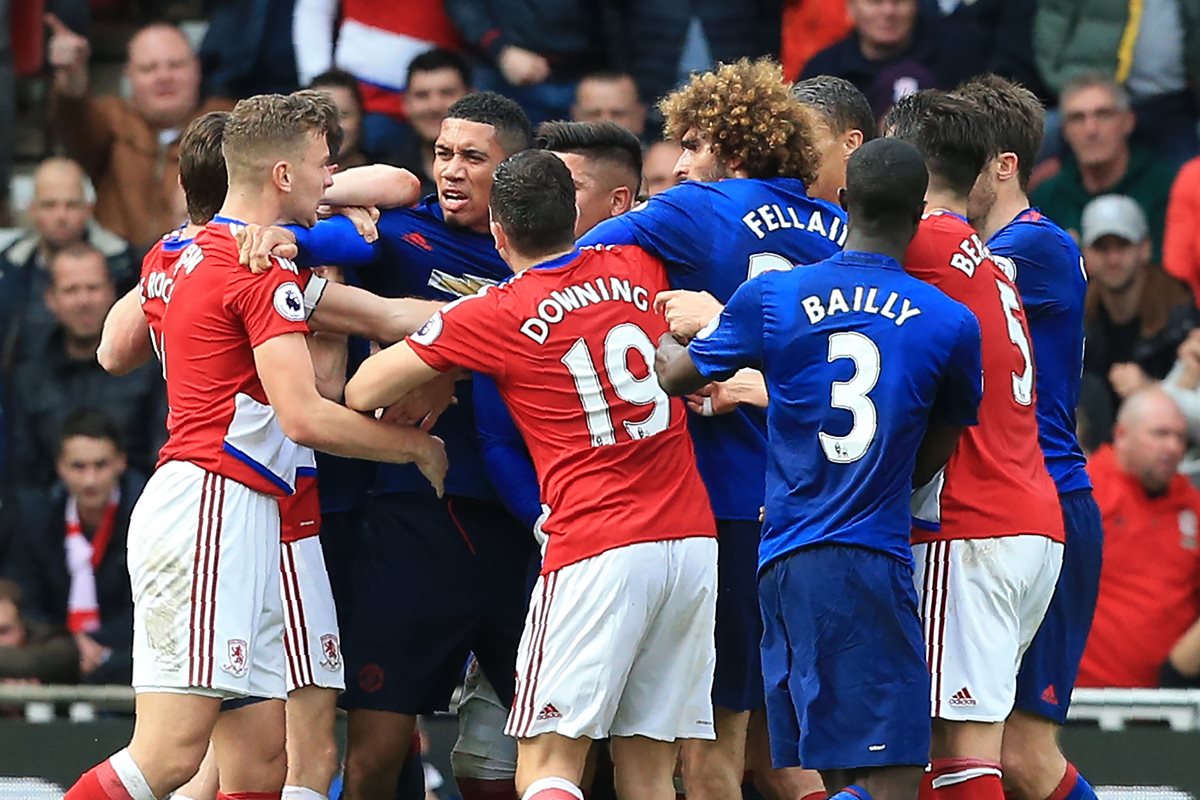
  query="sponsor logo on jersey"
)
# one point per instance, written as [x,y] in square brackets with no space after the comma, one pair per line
[460,285]
[289,302]
[239,658]
[417,240]
[1050,695]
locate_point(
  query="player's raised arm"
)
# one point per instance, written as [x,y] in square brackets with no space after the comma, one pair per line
[673,367]
[379,185]
[731,341]
[386,377]
[357,312]
[125,340]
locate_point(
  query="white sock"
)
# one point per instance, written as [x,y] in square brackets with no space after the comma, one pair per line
[552,783]
[301,793]
[131,776]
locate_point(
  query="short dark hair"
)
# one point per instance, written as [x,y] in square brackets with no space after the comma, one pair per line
[439,58]
[202,166]
[840,103]
[602,141]
[91,423]
[339,79]
[533,199]
[950,132]
[503,114]
[886,181]
[1014,115]
[83,249]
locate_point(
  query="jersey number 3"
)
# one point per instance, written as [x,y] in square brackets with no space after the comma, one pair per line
[627,386]
[852,396]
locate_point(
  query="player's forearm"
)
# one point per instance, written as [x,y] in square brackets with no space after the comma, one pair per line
[673,366]
[339,431]
[379,185]
[125,340]
[748,387]
[328,353]
[357,312]
[386,377]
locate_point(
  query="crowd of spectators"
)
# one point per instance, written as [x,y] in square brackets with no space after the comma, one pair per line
[1119,168]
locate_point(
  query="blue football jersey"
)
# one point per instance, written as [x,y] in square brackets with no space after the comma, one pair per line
[1052,281]
[858,356]
[712,237]
[418,255]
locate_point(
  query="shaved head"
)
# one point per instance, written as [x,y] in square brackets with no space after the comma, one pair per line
[1150,438]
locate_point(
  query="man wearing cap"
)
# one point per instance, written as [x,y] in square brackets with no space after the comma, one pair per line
[1136,315]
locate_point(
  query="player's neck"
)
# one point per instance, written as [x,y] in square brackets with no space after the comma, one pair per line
[252,206]
[883,245]
[519,263]
[945,200]
[1006,208]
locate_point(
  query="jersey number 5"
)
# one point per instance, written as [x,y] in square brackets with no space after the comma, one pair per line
[627,386]
[851,395]
[1022,384]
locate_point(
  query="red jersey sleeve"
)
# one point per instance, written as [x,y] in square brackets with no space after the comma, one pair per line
[466,333]
[268,305]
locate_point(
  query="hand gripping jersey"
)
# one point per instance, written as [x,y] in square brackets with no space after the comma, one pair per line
[207,313]
[995,483]
[1051,279]
[858,356]
[713,236]
[572,354]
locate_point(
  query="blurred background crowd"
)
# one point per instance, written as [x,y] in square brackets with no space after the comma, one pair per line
[94,94]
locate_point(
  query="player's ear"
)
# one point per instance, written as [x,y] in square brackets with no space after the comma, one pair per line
[842,198]
[499,235]
[1007,166]
[851,141]
[620,201]
[281,176]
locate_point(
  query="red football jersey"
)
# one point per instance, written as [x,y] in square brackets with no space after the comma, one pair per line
[207,313]
[300,512]
[571,346]
[995,483]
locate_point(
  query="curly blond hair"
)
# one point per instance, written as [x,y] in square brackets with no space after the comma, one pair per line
[747,112]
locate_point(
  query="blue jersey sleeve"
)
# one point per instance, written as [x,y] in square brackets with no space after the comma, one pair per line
[335,242]
[505,457]
[1038,264]
[670,226]
[961,389]
[736,339]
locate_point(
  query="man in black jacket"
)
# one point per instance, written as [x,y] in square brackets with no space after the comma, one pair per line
[69,553]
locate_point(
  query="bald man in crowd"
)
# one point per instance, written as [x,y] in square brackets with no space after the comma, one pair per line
[129,146]
[1146,632]
[60,215]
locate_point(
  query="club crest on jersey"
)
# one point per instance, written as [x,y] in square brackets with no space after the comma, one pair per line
[331,653]
[289,302]
[1187,529]
[461,285]
[239,658]
[430,330]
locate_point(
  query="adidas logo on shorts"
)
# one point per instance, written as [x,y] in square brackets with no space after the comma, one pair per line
[962,698]
[548,712]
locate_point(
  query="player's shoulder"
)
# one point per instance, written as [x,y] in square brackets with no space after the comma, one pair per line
[1033,230]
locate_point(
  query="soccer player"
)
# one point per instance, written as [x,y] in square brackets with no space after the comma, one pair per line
[605,162]
[618,642]
[1052,283]
[208,616]
[741,211]
[416,544]
[845,123]
[987,531]
[872,373]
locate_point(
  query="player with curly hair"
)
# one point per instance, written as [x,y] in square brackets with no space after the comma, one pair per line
[742,209]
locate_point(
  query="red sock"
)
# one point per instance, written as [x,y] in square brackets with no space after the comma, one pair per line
[1066,785]
[246,795]
[966,779]
[98,783]
[480,789]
